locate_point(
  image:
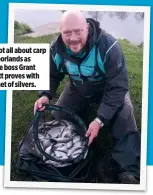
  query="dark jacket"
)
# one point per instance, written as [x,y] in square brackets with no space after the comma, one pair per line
[100,68]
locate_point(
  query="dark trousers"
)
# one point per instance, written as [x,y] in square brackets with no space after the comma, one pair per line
[126,137]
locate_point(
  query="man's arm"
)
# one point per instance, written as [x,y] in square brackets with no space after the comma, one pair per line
[55,78]
[116,83]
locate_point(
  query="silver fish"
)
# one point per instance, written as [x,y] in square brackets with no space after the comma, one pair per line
[48,150]
[61,139]
[62,128]
[66,122]
[77,144]
[46,128]
[61,142]
[61,155]
[52,154]
[62,149]
[63,165]
[59,145]
[41,126]
[51,122]
[67,132]
[69,144]
[56,164]
[44,158]
[48,136]
[70,151]
[46,143]
[49,162]
[76,153]
[40,136]
[52,162]
[76,138]
[78,150]
[54,132]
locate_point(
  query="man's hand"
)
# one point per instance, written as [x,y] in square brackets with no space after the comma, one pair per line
[39,102]
[93,131]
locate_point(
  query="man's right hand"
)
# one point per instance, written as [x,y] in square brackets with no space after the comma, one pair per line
[39,102]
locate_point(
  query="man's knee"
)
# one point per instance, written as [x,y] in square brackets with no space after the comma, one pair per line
[127,108]
[124,121]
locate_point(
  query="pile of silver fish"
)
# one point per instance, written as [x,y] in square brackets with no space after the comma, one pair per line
[60,141]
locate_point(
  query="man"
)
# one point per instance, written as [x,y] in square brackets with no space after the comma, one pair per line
[97,71]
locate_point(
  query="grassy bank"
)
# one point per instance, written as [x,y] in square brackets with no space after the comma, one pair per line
[23,101]
[21,29]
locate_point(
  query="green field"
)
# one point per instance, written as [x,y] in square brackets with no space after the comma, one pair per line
[23,101]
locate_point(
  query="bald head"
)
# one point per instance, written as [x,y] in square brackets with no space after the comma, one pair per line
[71,17]
[74,30]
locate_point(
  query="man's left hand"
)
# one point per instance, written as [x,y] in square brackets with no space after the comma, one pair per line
[93,131]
